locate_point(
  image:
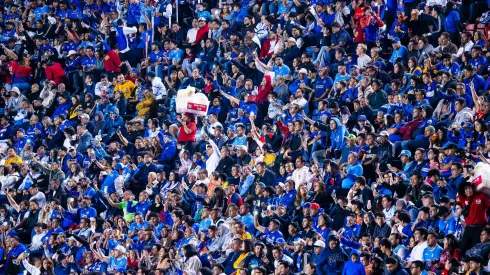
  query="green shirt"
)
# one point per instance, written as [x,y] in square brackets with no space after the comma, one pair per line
[127,216]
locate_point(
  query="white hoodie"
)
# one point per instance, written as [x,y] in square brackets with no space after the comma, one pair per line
[159,90]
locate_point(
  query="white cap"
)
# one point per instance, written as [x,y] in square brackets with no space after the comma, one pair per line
[300,241]
[84,116]
[202,19]
[121,249]
[384,133]
[291,39]
[282,185]
[72,52]
[319,243]
[303,71]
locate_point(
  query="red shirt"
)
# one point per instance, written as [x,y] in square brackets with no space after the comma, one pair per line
[478,208]
[56,73]
[184,137]
[111,62]
[20,74]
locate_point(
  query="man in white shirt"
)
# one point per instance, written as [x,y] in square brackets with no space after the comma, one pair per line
[388,208]
[192,33]
[36,242]
[363,59]
[301,174]
[103,86]
[420,236]
[466,44]
[300,99]
[159,90]
[37,196]
[214,154]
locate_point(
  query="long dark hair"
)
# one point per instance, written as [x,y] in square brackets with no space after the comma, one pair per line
[189,251]
[334,168]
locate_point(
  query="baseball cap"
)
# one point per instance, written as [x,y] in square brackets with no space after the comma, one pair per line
[291,39]
[406,153]
[314,206]
[449,145]
[282,185]
[303,71]
[300,241]
[361,117]
[384,133]
[396,40]
[71,52]
[261,184]
[121,249]
[351,137]
[319,243]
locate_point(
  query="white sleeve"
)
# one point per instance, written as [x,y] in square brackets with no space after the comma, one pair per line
[127,30]
[30,268]
[168,11]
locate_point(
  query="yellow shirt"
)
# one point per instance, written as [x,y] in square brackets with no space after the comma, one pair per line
[10,160]
[127,88]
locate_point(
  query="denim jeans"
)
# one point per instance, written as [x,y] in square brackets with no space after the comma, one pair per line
[323,58]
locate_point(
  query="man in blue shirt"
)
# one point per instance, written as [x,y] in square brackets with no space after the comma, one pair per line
[272,233]
[116,263]
[142,206]
[16,248]
[86,211]
[88,62]
[174,56]
[399,52]
[432,252]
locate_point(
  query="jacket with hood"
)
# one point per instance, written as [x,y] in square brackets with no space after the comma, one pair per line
[465,115]
[330,262]
[263,91]
[354,268]
[337,137]
[158,88]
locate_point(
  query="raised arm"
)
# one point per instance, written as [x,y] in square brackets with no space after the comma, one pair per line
[230,98]
[261,64]
[9,52]
[12,202]
[259,227]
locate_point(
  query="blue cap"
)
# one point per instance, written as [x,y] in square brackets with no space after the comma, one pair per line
[467,124]
[378,64]
[396,40]
[449,145]
[306,205]
[118,166]
[151,74]
[361,117]
[280,241]
[406,153]
[135,70]
[400,10]
[21,130]
[232,128]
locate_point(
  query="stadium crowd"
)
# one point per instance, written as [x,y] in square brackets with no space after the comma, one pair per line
[340,137]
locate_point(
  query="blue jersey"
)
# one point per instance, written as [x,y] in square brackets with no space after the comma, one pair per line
[122,38]
[273,237]
[118,265]
[88,62]
[248,108]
